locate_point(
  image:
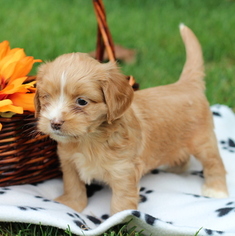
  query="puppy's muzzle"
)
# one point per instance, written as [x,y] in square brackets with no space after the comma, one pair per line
[56,124]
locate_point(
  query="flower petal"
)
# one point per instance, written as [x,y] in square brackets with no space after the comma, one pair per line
[32,90]
[7,70]
[24,100]
[12,108]
[18,92]
[8,63]
[23,67]
[4,48]
[5,102]
[14,86]
[29,85]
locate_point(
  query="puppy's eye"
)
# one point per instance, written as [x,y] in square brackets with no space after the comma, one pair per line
[44,96]
[81,102]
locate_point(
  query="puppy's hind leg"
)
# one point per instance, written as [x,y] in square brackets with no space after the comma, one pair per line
[213,168]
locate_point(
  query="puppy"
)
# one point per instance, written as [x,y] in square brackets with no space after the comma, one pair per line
[107,132]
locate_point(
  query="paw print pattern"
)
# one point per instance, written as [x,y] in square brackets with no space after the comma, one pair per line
[196,195]
[37,183]
[45,199]
[78,221]
[105,216]
[93,219]
[228,144]
[148,218]
[28,208]
[216,113]
[213,232]
[229,207]
[143,193]
[4,190]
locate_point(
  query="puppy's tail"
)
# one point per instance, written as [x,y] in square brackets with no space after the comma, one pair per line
[193,70]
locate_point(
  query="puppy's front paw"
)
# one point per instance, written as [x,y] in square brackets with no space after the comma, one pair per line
[214,193]
[74,203]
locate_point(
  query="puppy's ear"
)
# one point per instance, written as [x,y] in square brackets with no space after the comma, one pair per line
[118,93]
[41,71]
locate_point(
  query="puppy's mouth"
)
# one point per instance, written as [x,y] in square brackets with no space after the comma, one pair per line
[57,133]
[60,134]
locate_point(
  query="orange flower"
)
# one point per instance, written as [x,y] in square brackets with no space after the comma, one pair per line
[15,96]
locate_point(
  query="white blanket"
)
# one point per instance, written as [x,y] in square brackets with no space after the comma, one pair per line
[170,204]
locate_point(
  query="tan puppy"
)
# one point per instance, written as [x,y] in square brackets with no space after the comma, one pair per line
[106,132]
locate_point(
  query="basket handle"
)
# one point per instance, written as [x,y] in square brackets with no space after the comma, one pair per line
[104,39]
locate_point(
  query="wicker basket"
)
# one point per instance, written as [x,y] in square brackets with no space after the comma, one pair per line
[26,156]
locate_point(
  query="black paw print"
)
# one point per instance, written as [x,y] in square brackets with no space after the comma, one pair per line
[45,199]
[78,221]
[4,190]
[216,113]
[213,232]
[196,195]
[105,216]
[148,218]
[143,192]
[229,207]
[28,208]
[93,219]
[37,183]
[228,144]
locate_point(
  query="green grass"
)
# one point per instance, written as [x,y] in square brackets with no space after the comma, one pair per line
[49,28]
[23,229]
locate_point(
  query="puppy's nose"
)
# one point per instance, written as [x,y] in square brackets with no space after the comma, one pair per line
[56,124]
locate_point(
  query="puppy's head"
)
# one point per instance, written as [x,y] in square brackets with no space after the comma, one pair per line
[76,94]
